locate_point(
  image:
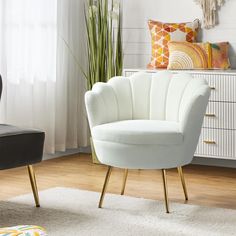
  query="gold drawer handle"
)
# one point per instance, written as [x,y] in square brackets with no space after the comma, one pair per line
[212,88]
[209,142]
[210,115]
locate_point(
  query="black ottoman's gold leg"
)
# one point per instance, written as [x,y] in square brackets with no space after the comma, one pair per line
[33,185]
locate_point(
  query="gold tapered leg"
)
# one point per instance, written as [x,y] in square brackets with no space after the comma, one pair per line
[33,185]
[105,186]
[124,181]
[165,190]
[181,174]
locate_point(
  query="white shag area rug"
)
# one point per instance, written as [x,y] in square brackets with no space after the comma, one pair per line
[72,212]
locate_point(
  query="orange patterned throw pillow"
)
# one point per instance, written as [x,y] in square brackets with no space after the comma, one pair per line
[162,33]
[220,55]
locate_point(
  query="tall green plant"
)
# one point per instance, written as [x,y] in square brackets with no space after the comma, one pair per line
[104,40]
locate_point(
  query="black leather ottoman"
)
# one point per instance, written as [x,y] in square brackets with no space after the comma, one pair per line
[21,147]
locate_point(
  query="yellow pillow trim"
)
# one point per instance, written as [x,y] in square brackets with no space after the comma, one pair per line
[209,56]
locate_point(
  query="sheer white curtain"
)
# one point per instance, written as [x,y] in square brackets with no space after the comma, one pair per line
[43,87]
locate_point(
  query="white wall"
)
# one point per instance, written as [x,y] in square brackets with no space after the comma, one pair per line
[137,41]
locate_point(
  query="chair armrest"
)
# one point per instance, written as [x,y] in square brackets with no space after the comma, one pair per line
[101,105]
[194,111]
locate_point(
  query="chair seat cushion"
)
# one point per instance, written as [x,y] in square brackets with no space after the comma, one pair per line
[139,132]
[10,130]
[19,147]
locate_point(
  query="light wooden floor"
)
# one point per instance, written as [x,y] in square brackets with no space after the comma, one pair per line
[209,186]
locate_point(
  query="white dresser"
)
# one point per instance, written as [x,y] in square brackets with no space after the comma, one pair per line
[218,136]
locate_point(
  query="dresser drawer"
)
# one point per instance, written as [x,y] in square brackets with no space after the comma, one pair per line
[220,115]
[222,86]
[215,142]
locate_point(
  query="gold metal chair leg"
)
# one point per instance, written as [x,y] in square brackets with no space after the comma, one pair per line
[165,190]
[105,186]
[181,174]
[124,181]
[33,185]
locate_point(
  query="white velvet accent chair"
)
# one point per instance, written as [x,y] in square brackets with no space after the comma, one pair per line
[147,121]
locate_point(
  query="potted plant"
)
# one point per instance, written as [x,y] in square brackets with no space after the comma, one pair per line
[104,43]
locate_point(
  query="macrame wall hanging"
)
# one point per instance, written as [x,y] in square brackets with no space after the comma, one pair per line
[210,8]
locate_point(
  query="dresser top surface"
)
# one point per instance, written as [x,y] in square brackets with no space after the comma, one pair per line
[222,72]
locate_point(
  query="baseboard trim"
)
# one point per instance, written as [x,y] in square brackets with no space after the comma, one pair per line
[214,162]
[68,152]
